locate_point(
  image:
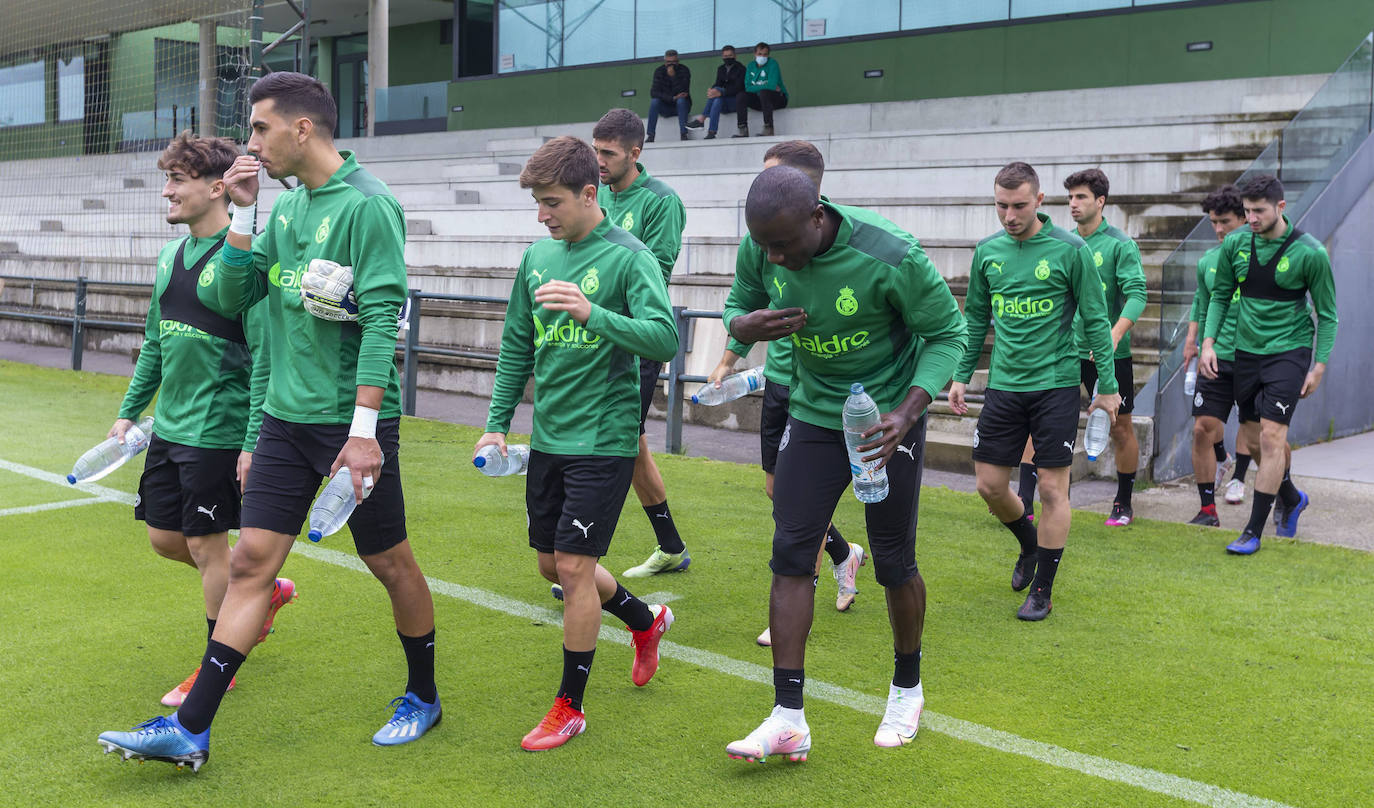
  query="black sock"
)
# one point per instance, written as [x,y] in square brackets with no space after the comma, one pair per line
[1046,565]
[577,666]
[664,529]
[631,611]
[1242,466]
[1125,484]
[1259,512]
[1026,490]
[1024,530]
[836,546]
[906,668]
[209,628]
[1207,494]
[217,670]
[787,687]
[420,666]
[1289,492]
[1219,449]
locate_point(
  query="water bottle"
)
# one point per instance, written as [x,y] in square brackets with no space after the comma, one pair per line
[861,414]
[734,386]
[334,505]
[1190,378]
[1097,432]
[490,462]
[110,454]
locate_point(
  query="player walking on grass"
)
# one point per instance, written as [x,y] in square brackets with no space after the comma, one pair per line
[860,302]
[1213,398]
[1117,261]
[653,213]
[845,557]
[1030,278]
[1275,267]
[585,302]
[201,363]
[332,363]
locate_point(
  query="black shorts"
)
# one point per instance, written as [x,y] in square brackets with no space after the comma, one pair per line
[648,383]
[1215,397]
[772,421]
[1125,381]
[574,501]
[1270,385]
[187,489]
[813,474]
[289,463]
[1048,417]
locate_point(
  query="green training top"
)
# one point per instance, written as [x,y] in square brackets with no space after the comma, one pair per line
[1031,290]
[768,77]
[1225,345]
[877,313]
[777,365]
[318,364]
[651,212]
[211,389]
[586,378]
[1117,259]
[1273,316]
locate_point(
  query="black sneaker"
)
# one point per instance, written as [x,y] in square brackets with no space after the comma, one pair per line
[695,124]
[743,131]
[1121,515]
[648,138]
[1023,572]
[1037,605]
[1207,517]
[710,136]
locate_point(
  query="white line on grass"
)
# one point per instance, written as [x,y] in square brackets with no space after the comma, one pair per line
[51,506]
[1111,770]
[660,597]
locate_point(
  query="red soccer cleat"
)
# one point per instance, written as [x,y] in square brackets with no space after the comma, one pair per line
[646,645]
[283,592]
[559,726]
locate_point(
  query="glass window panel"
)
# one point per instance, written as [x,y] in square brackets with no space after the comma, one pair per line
[744,23]
[842,19]
[938,13]
[1040,8]
[522,41]
[598,31]
[21,94]
[683,25]
[71,89]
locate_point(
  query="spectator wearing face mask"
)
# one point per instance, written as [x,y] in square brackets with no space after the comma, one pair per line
[670,93]
[723,94]
[763,89]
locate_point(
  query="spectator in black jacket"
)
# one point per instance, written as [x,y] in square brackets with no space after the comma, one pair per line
[721,97]
[670,93]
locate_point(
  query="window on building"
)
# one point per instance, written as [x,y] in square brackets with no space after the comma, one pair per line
[21,94]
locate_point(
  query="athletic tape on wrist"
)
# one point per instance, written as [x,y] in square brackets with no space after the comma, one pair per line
[364,423]
[244,220]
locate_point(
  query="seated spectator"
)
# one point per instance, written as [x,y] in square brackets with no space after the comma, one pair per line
[670,93]
[723,94]
[763,89]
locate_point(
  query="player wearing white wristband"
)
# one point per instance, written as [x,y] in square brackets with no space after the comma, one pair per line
[329,266]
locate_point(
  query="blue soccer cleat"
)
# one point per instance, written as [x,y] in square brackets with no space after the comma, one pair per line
[1288,525]
[162,738]
[412,719]
[1247,544]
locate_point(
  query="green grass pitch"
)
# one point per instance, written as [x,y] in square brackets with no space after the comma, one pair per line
[1251,679]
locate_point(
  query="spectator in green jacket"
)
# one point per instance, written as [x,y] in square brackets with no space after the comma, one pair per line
[763,89]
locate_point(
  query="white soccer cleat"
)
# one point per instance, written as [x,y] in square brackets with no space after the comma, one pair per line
[1224,470]
[766,638]
[777,735]
[846,573]
[1235,492]
[903,716]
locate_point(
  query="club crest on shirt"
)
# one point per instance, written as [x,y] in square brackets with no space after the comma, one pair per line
[590,283]
[628,223]
[207,275]
[846,303]
[1283,265]
[1042,269]
[1097,259]
[322,232]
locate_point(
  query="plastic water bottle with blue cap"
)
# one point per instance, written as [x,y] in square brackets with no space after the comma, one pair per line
[490,462]
[861,414]
[335,504]
[110,454]
[1097,432]
[737,385]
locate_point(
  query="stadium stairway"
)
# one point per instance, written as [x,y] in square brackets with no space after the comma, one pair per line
[927,165]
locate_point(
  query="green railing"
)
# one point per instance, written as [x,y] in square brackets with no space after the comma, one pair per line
[1305,156]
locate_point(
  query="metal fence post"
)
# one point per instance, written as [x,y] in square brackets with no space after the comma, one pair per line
[78,323]
[411,358]
[676,368]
